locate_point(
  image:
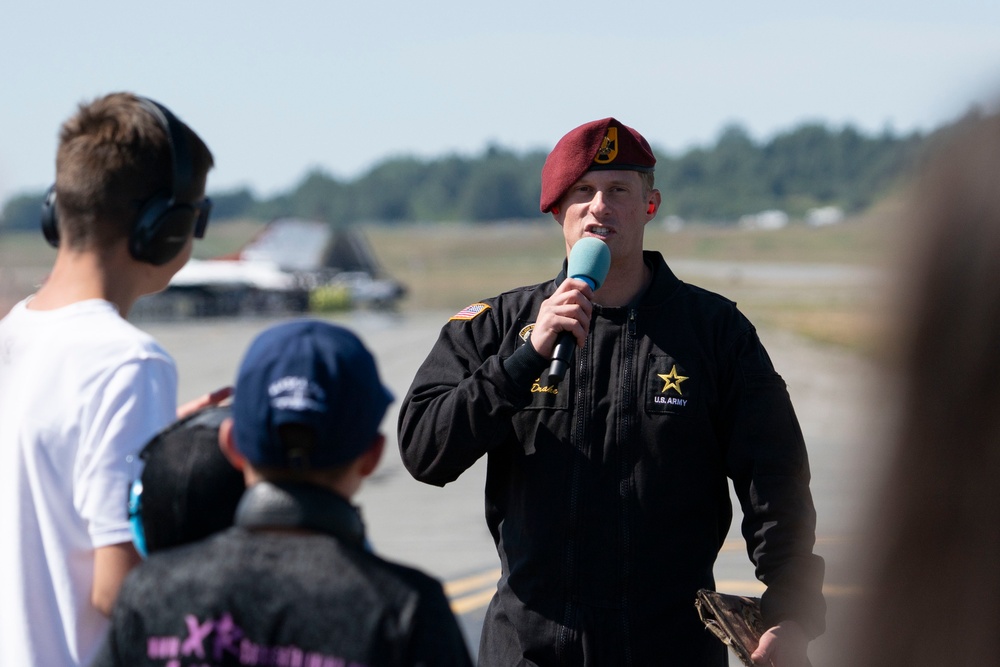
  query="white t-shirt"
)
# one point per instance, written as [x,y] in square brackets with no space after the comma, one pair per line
[81,391]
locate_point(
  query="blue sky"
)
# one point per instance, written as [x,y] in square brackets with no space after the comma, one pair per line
[280,88]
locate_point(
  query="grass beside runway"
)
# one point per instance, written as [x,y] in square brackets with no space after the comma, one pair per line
[451,266]
[448,266]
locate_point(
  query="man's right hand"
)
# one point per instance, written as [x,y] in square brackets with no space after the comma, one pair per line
[568,309]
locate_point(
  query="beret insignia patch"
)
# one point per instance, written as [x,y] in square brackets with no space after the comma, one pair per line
[609,147]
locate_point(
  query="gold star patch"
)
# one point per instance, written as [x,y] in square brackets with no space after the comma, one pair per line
[672,380]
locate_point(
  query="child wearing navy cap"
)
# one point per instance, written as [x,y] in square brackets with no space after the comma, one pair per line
[293,582]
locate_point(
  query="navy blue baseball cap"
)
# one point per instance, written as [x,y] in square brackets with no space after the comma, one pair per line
[313,374]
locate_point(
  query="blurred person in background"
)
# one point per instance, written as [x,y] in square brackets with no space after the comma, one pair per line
[932,590]
[294,581]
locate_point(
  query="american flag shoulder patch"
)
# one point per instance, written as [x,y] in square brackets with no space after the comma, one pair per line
[470,312]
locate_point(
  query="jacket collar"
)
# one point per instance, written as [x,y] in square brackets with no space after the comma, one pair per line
[663,285]
[291,505]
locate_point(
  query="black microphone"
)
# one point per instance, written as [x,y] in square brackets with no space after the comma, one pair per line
[589,261]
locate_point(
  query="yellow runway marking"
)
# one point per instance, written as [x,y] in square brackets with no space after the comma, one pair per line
[472,602]
[483,585]
[463,604]
[740,545]
[459,586]
[475,592]
[753,587]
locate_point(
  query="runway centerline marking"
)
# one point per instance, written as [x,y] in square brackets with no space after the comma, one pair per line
[475,591]
[459,586]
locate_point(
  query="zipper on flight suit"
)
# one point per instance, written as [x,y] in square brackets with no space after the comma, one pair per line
[625,474]
[580,375]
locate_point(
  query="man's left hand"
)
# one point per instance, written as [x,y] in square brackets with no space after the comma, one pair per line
[784,645]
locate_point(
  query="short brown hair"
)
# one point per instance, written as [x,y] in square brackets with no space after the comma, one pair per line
[648,180]
[300,438]
[113,156]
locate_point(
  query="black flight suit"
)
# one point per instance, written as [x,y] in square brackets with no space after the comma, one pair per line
[607,495]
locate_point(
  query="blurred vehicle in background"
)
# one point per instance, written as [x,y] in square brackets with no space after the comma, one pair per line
[291,266]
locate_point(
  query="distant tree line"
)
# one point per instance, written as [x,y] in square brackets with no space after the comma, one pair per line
[809,166]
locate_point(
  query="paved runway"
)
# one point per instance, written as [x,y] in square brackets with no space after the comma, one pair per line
[443,531]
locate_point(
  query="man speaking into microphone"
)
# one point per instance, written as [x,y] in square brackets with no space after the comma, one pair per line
[606,490]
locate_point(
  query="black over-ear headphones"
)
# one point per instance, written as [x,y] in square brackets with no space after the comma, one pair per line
[164,223]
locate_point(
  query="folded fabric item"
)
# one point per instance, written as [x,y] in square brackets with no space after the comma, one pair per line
[734,619]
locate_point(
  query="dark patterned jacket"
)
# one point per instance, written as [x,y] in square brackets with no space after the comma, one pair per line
[267,598]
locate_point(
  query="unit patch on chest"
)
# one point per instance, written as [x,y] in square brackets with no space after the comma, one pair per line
[668,386]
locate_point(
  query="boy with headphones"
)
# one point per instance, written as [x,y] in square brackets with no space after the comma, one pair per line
[81,389]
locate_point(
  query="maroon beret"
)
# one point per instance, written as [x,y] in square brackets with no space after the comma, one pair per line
[599,144]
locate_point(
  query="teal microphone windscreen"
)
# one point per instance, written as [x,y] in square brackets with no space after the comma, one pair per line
[589,259]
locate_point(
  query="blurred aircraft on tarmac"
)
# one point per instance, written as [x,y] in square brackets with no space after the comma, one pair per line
[291,266]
